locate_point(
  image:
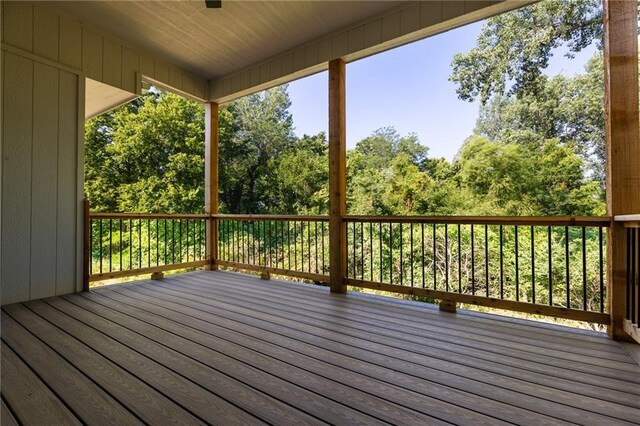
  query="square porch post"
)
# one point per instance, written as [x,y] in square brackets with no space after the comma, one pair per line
[622,142]
[337,176]
[211,181]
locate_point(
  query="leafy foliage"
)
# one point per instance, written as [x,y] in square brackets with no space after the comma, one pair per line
[515,47]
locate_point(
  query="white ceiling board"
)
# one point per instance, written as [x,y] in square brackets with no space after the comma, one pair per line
[214,42]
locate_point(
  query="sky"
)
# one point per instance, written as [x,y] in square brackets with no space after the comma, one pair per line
[408,88]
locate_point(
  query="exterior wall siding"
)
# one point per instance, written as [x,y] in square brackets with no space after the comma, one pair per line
[45,59]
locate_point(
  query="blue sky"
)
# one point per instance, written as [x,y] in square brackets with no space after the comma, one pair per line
[407,88]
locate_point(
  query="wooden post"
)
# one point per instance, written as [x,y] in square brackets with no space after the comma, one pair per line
[448,306]
[622,143]
[86,248]
[211,180]
[337,176]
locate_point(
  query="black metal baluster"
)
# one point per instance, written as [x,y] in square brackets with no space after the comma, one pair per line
[411,247]
[295,245]
[446,256]
[401,265]
[227,237]
[371,250]
[486,259]
[473,264]
[459,259]
[435,258]
[323,250]
[270,259]
[130,244]
[120,245]
[91,246]
[584,268]
[100,245]
[309,245]
[289,245]
[315,224]
[165,241]
[533,267]
[422,242]
[149,243]
[566,265]
[173,241]
[110,245]
[362,251]
[600,269]
[391,253]
[380,250]
[237,236]
[550,266]
[180,259]
[157,242]
[275,234]
[140,243]
[501,263]
[630,272]
[517,269]
[193,238]
[633,283]
[354,250]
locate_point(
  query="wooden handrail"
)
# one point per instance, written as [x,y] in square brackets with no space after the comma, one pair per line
[278,217]
[100,215]
[599,221]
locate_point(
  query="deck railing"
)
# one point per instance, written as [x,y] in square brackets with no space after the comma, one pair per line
[121,245]
[296,246]
[543,265]
[632,320]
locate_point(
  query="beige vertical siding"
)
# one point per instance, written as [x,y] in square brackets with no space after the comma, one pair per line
[46,58]
[39,180]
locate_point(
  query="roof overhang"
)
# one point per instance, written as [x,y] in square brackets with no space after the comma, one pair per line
[248,46]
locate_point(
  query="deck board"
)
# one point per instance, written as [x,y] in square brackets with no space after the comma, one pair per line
[227,348]
[393,353]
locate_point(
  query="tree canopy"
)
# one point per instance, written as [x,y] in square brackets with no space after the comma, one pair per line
[514,48]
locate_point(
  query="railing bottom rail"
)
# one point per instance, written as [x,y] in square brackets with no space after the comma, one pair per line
[280,271]
[525,307]
[148,270]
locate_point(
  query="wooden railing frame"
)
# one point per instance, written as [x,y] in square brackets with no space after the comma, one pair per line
[628,222]
[452,297]
[88,216]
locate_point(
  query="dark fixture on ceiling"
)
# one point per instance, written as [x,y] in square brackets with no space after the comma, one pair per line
[213,4]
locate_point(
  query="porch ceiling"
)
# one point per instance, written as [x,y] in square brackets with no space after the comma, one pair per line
[215,42]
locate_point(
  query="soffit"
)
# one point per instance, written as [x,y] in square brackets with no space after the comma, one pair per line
[214,42]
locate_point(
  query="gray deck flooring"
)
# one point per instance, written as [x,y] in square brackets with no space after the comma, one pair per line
[226,348]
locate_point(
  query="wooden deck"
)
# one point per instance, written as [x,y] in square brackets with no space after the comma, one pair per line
[226,348]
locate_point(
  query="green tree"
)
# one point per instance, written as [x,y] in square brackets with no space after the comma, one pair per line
[301,183]
[567,108]
[543,179]
[147,156]
[513,48]
[258,129]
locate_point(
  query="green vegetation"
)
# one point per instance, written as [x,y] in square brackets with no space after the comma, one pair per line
[537,149]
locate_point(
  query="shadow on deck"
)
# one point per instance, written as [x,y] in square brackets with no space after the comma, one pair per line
[227,348]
